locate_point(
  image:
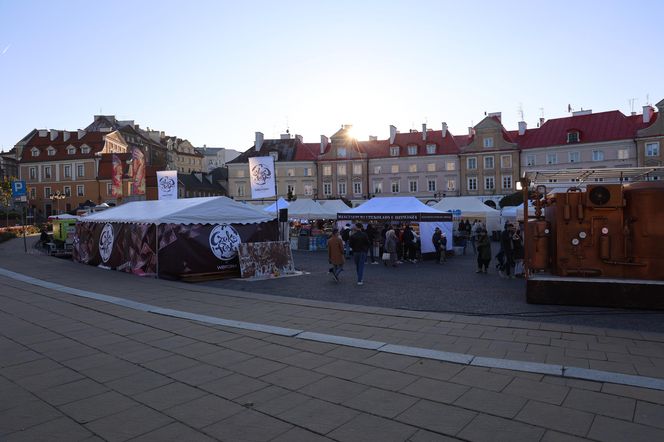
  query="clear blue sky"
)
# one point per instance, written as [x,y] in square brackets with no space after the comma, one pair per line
[215,72]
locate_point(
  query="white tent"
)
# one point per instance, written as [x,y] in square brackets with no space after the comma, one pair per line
[471,207]
[515,213]
[335,206]
[303,208]
[404,209]
[208,210]
[281,203]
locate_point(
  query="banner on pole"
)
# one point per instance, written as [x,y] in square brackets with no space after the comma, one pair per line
[118,172]
[167,182]
[137,172]
[261,173]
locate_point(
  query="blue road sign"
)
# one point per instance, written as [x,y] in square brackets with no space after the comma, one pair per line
[19,189]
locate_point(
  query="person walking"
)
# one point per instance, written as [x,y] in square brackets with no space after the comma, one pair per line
[437,240]
[507,246]
[483,251]
[372,233]
[335,254]
[345,236]
[391,248]
[359,244]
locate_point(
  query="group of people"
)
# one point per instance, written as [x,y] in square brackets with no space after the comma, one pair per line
[358,242]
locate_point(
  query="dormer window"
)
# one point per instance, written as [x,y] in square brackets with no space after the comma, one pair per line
[341,152]
[274,155]
[34,152]
[394,151]
[431,149]
[71,150]
[488,142]
[573,136]
[412,150]
[50,151]
[85,149]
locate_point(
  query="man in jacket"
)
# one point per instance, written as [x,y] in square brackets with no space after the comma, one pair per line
[359,244]
[437,240]
[335,254]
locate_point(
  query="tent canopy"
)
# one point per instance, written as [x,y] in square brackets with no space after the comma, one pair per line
[208,210]
[335,206]
[398,208]
[471,207]
[282,203]
[303,208]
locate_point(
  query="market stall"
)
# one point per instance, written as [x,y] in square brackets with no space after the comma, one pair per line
[401,210]
[172,238]
[470,208]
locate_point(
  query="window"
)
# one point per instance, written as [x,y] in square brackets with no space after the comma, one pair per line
[451,184]
[240,173]
[412,150]
[327,170]
[623,154]
[506,161]
[71,150]
[378,170]
[67,190]
[67,170]
[275,156]
[306,171]
[341,169]
[551,158]
[33,193]
[378,186]
[395,186]
[530,160]
[471,163]
[357,188]
[412,168]
[290,172]
[34,152]
[488,142]
[488,162]
[327,188]
[47,192]
[472,183]
[574,157]
[599,180]
[357,168]
[50,152]
[450,165]
[598,155]
[431,185]
[507,181]
[395,168]
[553,180]
[341,187]
[308,189]
[652,149]
[394,151]
[85,149]
[80,190]
[240,190]
[412,185]
[573,136]
[33,173]
[489,183]
[80,170]
[431,149]
[341,152]
[109,189]
[47,172]
[431,167]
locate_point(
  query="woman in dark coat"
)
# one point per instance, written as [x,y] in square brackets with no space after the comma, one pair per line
[483,251]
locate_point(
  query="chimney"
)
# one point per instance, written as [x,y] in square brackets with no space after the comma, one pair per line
[522,127]
[582,112]
[444,131]
[541,121]
[373,138]
[424,131]
[299,138]
[648,112]
[54,134]
[163,134]
[497,115]
[324,141]
[259,141]
[65,135]
[470,131]
[393,133]
[285,136]
[80,134]
[43,133]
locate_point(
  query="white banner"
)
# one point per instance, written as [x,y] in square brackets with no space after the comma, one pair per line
[167,183]
[261,173]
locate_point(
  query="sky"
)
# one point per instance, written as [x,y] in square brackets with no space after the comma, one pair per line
[215,72]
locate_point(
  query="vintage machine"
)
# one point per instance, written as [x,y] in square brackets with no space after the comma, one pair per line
[594,233]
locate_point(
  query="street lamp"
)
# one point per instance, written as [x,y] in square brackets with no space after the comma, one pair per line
[57,196]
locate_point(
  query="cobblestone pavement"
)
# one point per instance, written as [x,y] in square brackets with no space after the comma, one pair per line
[453,287]
[80,369]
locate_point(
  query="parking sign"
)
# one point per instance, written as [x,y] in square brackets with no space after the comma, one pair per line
[18,189]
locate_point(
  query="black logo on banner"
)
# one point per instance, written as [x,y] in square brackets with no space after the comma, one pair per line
[166,183]
[260,174]
[224,242]
[106,242]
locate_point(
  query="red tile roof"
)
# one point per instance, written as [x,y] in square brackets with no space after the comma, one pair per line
[447,145]
[95,140]
[592,128]
[306,152]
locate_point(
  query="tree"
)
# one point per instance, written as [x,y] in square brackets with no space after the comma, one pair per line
[6,196]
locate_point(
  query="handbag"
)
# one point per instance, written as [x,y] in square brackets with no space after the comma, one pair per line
[386,256]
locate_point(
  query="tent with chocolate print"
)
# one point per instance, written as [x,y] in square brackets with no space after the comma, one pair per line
[172,238]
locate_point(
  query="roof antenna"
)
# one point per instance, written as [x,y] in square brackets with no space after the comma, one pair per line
[631,105]
[287,126]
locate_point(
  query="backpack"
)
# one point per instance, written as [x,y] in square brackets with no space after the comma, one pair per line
[345,234]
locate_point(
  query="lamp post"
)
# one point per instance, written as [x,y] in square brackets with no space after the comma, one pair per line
[57,196]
